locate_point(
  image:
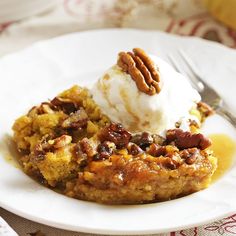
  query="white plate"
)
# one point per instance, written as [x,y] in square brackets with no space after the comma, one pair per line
[41,71]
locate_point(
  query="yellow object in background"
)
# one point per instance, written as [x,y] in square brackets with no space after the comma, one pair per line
[223,10]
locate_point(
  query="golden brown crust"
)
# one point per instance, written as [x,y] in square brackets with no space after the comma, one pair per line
[141,69]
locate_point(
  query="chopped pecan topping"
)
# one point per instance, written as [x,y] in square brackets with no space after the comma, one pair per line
[104,150]
[65,104]
[48,145]
[190,155]
[39,152]
[87,147]
[158,139]
[76,120]
[41,149]
[43,108]
[116,134]
[61,141]
[169,163]
[157,150]
[143,140]
[185,140]
[134,149]
[141,69]
[81,157]
[85,151]
[205,109]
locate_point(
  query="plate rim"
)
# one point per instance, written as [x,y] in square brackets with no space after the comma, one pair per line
[81,229]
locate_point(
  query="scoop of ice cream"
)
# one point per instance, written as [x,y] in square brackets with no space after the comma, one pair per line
[120,99]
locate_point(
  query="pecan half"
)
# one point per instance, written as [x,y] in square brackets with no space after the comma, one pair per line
[185,140]
[141,69]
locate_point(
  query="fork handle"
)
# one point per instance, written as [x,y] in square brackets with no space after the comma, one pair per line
[227,115]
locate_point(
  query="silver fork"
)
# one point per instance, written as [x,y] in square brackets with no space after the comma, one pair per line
[208,94]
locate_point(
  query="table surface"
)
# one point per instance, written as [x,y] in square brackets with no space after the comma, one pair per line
[183,17]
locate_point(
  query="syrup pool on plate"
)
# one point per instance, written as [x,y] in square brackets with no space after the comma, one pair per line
[224,148]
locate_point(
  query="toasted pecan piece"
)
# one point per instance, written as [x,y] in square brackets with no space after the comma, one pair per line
[205,109]
[65,104]
[185,140]
[115,133]
[190,155]
[143,140]
[134,149]
[76,120]
[157,150]
[104,150]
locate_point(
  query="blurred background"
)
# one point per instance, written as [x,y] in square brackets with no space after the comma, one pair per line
[25,21]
